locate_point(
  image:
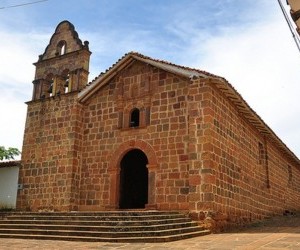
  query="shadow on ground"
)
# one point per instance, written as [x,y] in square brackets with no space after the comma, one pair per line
[272,225]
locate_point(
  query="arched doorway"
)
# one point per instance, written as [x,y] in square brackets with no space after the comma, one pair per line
[133,180]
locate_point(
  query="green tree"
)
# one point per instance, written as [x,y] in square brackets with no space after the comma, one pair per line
[7,154]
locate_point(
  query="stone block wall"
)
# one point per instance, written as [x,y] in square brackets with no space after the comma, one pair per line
[201,169]
[237,175]
[51,155]
[161,98]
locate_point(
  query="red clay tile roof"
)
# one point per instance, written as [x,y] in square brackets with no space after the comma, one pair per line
[171,67]
[152,60]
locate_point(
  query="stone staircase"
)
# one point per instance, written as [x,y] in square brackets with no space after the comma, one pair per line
[108,226]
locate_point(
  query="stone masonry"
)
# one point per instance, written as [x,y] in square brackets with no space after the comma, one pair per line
[207,152]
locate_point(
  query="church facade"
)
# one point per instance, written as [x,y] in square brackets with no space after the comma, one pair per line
[148,134]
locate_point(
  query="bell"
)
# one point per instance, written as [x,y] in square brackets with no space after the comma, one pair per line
[66,83]
[50,89]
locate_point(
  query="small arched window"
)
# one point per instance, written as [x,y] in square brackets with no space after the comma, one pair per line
[134,118]
[61,48]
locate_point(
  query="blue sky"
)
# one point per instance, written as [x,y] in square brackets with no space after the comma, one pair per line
[245,41]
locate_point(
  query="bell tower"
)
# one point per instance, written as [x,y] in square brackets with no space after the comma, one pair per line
[64,66]
[51,160]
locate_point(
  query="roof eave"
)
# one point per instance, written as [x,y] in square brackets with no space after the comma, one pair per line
[98,83]
[168,68]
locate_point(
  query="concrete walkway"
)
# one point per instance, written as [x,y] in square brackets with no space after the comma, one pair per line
[278,233]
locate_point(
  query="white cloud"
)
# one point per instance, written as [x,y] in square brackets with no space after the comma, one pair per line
[12,113]
[258,58]
[16,75]
[262,63]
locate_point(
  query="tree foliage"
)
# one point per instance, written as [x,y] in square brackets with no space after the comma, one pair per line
[8,154]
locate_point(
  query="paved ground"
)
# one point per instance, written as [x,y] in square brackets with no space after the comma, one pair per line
[278,233]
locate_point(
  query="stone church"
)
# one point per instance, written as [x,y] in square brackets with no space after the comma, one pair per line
[148,134]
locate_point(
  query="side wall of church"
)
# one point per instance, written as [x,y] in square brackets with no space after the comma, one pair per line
[50,156]
[161,98]
[244,176]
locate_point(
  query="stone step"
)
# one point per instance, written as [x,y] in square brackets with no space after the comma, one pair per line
[93,217]
[105,234]
[111,223]
[100,228]
[116,226]
[103,239]
[99,213]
